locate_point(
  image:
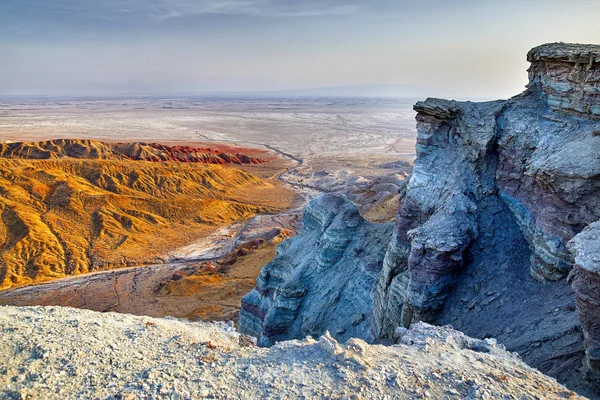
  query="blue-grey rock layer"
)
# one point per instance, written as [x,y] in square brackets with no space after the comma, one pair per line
[490,225]
[321,280]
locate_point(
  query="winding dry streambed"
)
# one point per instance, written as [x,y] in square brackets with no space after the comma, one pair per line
[141,290]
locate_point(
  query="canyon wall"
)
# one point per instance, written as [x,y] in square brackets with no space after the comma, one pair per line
[481,239]
[585,279]
[320,280]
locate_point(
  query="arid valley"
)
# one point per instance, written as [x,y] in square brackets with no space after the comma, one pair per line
[149,235]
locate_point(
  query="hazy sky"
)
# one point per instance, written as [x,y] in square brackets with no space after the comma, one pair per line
[455,48]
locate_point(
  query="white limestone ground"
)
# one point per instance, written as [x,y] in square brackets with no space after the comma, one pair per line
[65,353]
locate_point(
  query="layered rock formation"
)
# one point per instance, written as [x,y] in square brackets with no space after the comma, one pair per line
[568,75]
[322,279]
[482,170]
[138,151]
[497,192]
[585,279]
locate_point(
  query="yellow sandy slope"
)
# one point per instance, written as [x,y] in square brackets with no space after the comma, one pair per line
[71,216]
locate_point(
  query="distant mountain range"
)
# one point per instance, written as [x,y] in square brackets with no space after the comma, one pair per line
[367,91]
[396,91]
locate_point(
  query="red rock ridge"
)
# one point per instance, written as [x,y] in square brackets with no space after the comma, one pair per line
[138,151]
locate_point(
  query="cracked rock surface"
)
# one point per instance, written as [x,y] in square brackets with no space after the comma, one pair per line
[66,353]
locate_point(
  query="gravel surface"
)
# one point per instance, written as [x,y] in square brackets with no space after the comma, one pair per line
[66,353]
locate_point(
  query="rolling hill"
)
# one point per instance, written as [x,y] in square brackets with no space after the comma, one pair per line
[71,207]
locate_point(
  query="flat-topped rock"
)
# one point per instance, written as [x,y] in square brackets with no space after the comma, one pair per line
[586,248]
[440,108]
[568,52]
[569,77]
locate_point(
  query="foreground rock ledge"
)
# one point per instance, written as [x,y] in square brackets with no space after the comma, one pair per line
[65,353]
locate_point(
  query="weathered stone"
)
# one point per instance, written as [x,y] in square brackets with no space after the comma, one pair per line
[498,190]
[585,279]
[531,155]
[321,280]
[437,218]
[586,248]
[569,75]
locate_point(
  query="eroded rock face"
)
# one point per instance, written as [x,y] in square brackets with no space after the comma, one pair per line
[482,170]
[540,158]
[480,241]
[321,280]
[569,75]
[437,219]
[585,279]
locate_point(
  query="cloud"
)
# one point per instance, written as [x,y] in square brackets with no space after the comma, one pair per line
[275,8]
[170,9]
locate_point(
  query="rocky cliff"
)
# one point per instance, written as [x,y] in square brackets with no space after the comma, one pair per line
[322,279]
[482,230]
[585,279]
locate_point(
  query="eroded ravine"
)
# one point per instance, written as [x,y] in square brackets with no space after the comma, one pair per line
[139,290]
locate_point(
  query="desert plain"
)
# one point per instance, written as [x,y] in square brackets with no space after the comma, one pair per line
[191,242]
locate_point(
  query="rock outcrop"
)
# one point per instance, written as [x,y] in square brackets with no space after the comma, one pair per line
[321,280]
[120,356]
[482,170]
[438,215]
[569,76]
[585,279]
[497,192]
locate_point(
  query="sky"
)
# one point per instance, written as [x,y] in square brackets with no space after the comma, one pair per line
[450,48]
